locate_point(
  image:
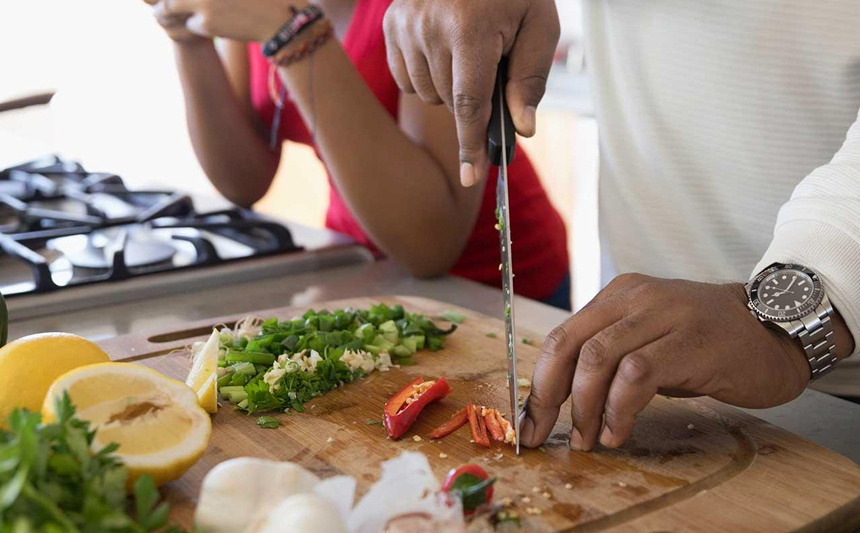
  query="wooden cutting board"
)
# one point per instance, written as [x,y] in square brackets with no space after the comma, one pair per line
[690,465]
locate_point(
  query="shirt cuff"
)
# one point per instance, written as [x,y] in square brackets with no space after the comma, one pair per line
[829,251]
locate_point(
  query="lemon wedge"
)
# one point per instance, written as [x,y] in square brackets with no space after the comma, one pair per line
[202,376]
[30,364]
[207,396]
[157,421]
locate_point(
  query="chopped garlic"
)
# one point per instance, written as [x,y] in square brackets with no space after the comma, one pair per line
[416,438]
[523,382]
[622,484]
[330,440]
[535,490]
[547,495]
[526,499]
[568,486]
[534,511]
[443,455]
[690,426]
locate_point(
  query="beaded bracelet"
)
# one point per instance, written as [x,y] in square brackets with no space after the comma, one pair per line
[322,34]
[299,22]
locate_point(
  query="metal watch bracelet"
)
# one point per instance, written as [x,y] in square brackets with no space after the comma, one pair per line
[815,332]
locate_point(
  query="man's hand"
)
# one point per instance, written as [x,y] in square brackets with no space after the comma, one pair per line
[643,335]
[448,50]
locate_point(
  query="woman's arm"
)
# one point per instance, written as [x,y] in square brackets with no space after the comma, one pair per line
[400,180]
[228,144]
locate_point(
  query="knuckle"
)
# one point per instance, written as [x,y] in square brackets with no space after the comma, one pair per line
[614,416]
[635,369]
[594,356]
[647,290]
[468,109]
[557,338]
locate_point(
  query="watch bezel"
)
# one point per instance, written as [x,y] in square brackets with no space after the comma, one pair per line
[808,307]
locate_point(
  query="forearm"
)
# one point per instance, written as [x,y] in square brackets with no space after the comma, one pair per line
[403,196]
[230,149]
[819,227]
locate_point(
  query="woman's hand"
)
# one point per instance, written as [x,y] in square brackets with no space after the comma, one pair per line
[241,20]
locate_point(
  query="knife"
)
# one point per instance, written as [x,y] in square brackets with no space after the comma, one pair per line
[501,145]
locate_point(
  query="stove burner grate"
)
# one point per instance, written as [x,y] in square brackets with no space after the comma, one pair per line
[54,204]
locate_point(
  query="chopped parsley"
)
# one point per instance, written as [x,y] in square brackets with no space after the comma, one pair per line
[491,335]
[268,422]
[291,362]
[374,423]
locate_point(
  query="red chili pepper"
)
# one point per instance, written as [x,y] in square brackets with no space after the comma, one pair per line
[456,422]
[399,416]
[493,426]
[471,484]
[478,426]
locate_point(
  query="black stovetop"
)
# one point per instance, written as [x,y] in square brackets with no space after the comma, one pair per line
[61,226]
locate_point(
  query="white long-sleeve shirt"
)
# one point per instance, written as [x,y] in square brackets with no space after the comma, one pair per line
[723,141]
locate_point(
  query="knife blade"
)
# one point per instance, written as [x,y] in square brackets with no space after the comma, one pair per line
[501,145]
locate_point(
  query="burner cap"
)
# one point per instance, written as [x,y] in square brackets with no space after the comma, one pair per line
[81,252]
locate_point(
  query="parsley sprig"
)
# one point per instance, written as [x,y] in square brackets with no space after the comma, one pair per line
[51,482]
[380,329]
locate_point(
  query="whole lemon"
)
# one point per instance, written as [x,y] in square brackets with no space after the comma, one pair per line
[29,365]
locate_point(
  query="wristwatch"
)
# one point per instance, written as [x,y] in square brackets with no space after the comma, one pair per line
[793,298]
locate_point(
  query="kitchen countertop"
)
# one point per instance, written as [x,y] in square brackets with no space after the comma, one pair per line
[824,419]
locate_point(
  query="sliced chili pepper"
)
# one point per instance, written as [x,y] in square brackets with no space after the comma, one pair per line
[478,426]
[493,426]
[505,425]
[472,485]
[400,414]
[456,422]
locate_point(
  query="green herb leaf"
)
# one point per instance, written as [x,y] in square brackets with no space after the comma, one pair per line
[491,335]
[51,481]
[453,316]
[268,422]
[374,423]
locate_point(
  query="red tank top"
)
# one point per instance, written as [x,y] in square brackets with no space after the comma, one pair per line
[537,230]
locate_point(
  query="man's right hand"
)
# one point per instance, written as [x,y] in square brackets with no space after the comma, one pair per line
[447,51]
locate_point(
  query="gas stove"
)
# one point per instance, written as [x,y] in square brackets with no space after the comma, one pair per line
[66,230]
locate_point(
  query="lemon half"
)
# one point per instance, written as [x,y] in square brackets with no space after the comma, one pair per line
[30,364]
[157,421]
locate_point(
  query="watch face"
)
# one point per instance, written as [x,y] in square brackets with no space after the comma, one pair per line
[786,292]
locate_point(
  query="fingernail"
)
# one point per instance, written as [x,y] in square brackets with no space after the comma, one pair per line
[467,174]
[529,121]
[606,437]
[575,440]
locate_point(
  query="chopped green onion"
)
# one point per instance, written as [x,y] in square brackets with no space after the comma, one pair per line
[258,358]
[491,335]
[245,368]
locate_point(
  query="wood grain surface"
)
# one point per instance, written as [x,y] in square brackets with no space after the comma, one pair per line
[691,465]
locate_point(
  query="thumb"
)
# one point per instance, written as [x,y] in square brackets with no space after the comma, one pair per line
[530,60]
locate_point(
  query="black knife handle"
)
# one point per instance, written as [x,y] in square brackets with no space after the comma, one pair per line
[494,131]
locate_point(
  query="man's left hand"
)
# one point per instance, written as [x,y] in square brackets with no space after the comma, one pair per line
[643,335]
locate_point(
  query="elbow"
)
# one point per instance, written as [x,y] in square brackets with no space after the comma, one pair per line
[427,268]
[245,199]
[244,193]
